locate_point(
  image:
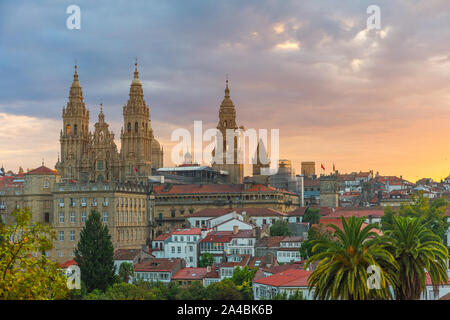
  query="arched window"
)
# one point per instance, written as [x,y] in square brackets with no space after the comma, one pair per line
[75,129]
[68,129]
[136,127]
[129,127]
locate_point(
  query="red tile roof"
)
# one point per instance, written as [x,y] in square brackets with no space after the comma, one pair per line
[288,278]
[270,242]
[357,212]
[214,273]
[190,274]
[428,280]
[68,264]
[158,264]
[126,254]
[251,212]
[218,236]
[162,237]
[42,170]
[283,267]
[214,188]
[191,231]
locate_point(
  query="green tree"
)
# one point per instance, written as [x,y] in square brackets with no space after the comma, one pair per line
[432,214]
[243,278]
[341,272]
[223,290]
[94,254]
[126,271]
[387,218]
[318,232]
[193,291]
[312,216]
[297,295]
[25,271]
[416,249]
[280,228]
[206,259]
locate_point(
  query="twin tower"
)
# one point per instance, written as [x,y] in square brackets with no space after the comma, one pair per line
[87,156]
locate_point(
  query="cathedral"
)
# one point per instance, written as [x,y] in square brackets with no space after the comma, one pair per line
[93,156]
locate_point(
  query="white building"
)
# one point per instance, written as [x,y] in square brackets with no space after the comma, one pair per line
[288,282]
[180,243]
[289,250]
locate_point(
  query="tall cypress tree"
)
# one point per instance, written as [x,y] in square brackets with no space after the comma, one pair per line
[94,254]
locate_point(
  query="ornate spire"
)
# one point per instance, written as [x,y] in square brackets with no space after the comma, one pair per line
[101,116]
[227,102]
[76,94]
[136,100]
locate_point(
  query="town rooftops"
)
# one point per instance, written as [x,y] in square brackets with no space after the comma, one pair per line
[357,212]
[126,254]
[214,188]
[190,274]
[218,236]
[251,212]
[269,242]
[283,267]
[158,264]
[288,278]
[245,259]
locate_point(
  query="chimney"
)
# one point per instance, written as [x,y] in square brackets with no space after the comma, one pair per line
[235,229]
[208,269]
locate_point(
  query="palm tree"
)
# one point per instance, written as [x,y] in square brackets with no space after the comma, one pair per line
[126,270]
[341,272]
[416,249]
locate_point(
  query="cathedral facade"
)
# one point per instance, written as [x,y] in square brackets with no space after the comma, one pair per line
[93,156]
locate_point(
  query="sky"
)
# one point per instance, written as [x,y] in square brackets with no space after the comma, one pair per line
[339,93]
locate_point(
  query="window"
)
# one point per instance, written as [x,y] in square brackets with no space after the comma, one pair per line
[60,253]
[61,217]
[46,184]
[47,217]
[105,216]
[179,249]
[173,249]
[83,217]
[68,129]
[83,202]
[100,165]
[72,217]
[61,236]
[72,235]
[61,202]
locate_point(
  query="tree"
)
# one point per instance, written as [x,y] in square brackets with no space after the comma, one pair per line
[312,216]
[243,278]
[94,254]
[416,249]
[193,291]
[206,259]
[297,295]
[341,272]
[318,232]
[25,271]
[280,228]
[126,271]
[432,214]
[223,290]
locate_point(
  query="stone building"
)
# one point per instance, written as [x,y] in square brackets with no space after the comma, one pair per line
[329,191]
[227,121]
[94,156]
[308,169]
[127,210]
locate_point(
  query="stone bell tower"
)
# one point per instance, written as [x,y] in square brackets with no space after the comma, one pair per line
[136,135]
[74,136]
[227,120]
[329,191]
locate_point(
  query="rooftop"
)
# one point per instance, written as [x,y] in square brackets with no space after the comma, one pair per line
[190,274]
[288,278]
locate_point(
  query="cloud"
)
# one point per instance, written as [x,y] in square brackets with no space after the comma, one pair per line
[309,68]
